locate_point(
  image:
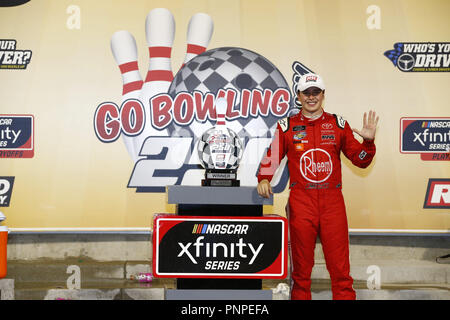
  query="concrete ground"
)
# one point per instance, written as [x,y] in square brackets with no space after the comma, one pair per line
[99,266]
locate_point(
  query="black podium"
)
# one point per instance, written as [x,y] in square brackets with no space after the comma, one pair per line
[217,201]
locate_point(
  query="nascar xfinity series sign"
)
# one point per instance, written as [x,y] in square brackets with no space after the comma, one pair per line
[16,136]
[220,247]
[425,135]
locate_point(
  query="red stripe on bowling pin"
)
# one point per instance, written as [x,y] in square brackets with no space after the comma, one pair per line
[221,110]
[220,119]
[129,66]
[123,47]
[133,85]
[160,33]
[194,49]
[160,52]
[159,75]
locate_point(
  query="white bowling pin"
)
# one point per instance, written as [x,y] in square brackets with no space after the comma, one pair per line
[199,32]
[160,33]
[221,157]
[124,50]
[221,111]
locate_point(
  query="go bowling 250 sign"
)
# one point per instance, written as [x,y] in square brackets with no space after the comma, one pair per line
[162,117]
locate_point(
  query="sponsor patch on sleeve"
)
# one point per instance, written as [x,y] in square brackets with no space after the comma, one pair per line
[362,155]
[340,121]
[284,124]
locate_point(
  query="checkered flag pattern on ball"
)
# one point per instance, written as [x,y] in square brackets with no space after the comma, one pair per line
[204,149]
[229,68]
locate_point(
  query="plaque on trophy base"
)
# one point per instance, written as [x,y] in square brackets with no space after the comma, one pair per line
[220,178]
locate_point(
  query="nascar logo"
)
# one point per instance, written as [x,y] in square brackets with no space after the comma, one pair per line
[435,124]
[220,229]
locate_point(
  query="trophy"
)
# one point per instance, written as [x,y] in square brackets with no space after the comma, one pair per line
[220,151]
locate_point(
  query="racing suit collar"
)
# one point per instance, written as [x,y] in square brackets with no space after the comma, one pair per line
[314,118]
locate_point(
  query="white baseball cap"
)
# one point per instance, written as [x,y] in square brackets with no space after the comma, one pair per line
[310,80]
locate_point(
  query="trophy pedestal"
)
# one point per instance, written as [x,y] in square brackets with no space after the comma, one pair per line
[220,178]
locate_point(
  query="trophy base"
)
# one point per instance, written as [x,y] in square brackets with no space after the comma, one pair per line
[220,178]
[220,183]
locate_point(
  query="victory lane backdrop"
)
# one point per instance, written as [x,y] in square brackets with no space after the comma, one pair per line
[60,69]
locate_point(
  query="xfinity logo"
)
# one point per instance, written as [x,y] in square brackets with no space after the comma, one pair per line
[8,134]
[425,135]
[219,249]
[16,136]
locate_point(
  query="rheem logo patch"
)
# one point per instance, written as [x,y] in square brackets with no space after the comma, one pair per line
[316,165]
[438,194]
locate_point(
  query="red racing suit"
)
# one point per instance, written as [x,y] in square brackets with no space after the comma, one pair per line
[316,206]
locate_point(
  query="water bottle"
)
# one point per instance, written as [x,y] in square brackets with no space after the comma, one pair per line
[3,247]
[142,277]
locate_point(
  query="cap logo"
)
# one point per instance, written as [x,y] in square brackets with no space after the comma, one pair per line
[311,78]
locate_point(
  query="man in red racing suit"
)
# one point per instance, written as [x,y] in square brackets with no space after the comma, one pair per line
[313,141]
